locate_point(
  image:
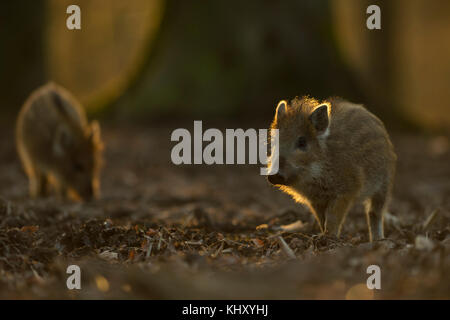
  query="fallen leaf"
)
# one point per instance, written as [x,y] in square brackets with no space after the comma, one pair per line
[131,255]
[109,255]
[293,227]
[30,229]
[258,242]
[262,226]
[424,243]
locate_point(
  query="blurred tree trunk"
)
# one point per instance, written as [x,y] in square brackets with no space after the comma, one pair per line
[368,52]
[98,62]
[21,52]
[403,67]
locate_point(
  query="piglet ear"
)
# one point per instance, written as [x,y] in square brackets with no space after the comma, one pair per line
[95,129]
[320,118]
[95,134]
[281,109]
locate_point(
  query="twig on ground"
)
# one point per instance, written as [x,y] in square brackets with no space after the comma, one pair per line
[287,250]
[194,243]
[431,218]
[218,251]
[149,250]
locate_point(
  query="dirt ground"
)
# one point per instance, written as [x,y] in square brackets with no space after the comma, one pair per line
[162,231]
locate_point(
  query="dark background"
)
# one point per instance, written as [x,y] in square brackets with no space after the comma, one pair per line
[161,231]
[152,59]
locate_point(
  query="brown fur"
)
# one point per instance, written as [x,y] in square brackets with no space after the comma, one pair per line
[354,162]
[57,146]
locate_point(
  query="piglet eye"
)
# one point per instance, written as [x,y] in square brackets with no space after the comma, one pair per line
[301,143]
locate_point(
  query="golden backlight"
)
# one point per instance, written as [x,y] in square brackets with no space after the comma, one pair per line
[98,61]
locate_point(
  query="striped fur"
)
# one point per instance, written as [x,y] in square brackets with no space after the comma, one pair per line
[57,146]
[351,161]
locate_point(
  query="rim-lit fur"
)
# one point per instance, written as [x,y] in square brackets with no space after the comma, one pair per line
[57,146]
[347,159]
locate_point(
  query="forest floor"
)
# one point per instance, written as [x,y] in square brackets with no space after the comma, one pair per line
[162,231]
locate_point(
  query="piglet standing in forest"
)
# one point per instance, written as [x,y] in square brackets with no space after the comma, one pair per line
[332,155]
[57,146]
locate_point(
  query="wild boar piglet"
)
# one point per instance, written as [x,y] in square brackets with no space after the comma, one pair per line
[58,148]
[332,155]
